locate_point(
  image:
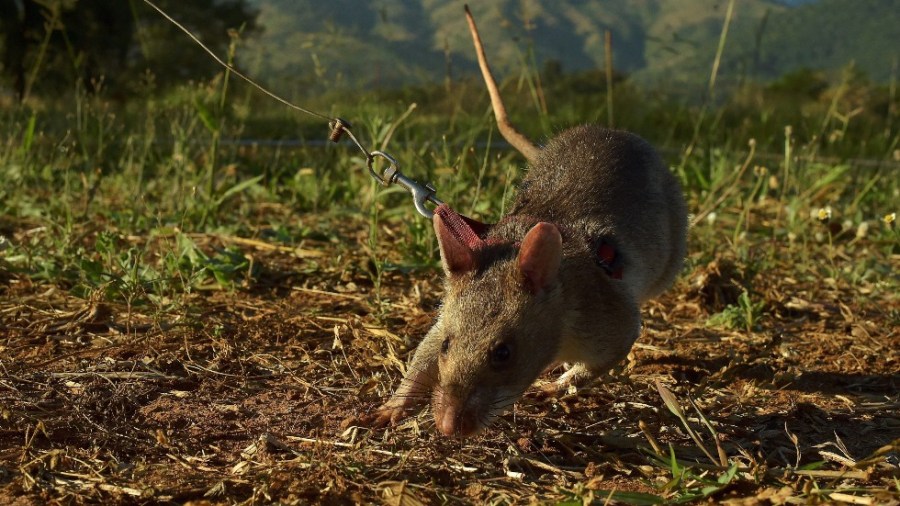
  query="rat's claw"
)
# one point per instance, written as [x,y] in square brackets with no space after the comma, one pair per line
[576,376]
[553,390]
[385,416]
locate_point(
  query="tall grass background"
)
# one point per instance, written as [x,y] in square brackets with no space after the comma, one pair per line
[105,197]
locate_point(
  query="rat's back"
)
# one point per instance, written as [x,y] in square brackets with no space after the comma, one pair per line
[612,184]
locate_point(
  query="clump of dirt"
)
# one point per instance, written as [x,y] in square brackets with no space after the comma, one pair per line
[718,284]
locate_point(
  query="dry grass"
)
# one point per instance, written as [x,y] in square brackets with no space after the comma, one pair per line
[254,396]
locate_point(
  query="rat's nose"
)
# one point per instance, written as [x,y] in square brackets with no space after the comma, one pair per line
[451,417]
[456,423]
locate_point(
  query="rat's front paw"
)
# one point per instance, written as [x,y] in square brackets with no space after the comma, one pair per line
[412,395]
[552,389]
[576,376]
[390,413]
[556,389]
[387,415]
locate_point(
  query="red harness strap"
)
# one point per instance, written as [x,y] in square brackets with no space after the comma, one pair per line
[465,229]
[472,232]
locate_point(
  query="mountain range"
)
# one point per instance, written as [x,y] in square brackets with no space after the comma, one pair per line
[662,43]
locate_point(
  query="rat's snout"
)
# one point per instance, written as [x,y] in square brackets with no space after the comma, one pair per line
[455,422]
[452,414]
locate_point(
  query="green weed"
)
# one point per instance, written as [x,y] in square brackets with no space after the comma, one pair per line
[744,315]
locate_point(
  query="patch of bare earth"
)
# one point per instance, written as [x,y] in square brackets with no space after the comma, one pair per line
[254,396]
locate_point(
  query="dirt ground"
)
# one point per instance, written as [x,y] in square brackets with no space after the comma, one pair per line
[255,396]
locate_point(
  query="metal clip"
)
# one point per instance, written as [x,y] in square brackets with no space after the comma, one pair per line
[392,175]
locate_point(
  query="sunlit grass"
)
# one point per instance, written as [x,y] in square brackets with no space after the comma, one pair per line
[171,163]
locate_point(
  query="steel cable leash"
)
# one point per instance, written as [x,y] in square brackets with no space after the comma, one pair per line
[391,175]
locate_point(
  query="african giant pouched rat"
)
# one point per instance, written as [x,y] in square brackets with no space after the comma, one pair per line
[598,226]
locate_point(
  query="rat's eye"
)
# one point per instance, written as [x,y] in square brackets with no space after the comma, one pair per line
[445,345]
[500,354]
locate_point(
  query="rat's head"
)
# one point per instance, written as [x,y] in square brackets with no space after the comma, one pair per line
[500,322]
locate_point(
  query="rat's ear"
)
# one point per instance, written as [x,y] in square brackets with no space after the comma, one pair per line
[539,257]
[456,256]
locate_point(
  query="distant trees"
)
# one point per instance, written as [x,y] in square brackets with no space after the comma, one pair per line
[46,45]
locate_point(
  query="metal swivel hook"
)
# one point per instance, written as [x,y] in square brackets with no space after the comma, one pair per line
[392,175]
